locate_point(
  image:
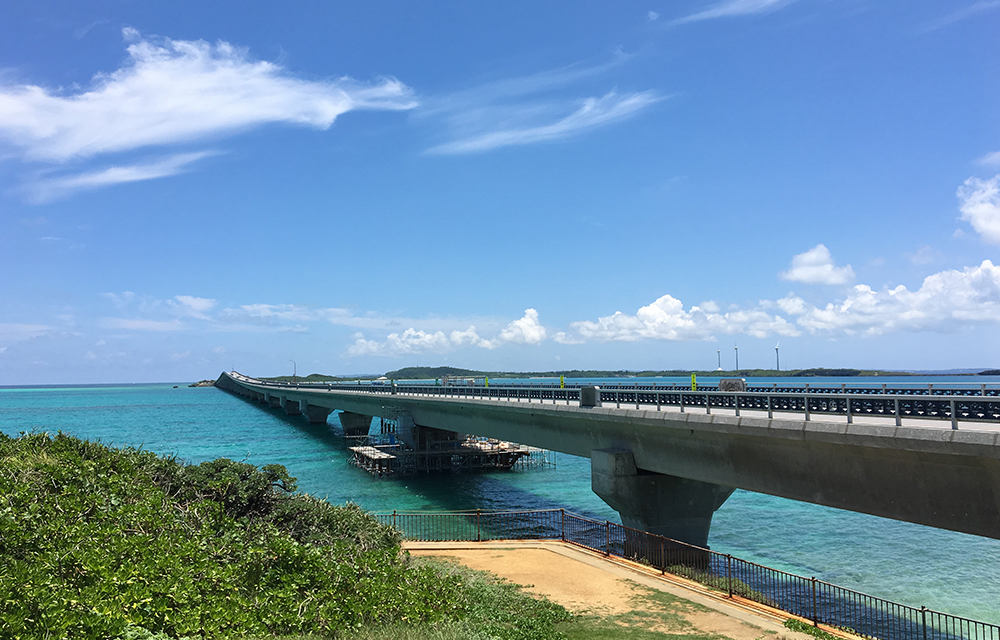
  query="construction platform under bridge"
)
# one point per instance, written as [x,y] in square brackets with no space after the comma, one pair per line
[410,450]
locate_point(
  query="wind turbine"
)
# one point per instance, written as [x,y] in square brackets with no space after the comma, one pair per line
[777,357]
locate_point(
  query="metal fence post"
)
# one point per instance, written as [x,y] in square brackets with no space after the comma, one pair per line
[899,421]
[815,617]
[562,525]
[850,418]
[729,573]
[954,415]
[393,518]
[923,621]
[479,537]
[607,544]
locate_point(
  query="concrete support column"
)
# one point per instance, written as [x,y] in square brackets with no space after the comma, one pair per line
[315,415]
[291,407]
[273,401]
[677,508]
[355,424]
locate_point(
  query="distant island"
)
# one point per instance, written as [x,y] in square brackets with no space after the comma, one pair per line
[431,373]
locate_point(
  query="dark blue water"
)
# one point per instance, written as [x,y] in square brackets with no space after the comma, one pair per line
[912,564]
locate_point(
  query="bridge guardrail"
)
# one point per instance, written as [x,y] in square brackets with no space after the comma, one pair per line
[952,407]
[808,598]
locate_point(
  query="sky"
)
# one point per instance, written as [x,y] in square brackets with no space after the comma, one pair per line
[335,187]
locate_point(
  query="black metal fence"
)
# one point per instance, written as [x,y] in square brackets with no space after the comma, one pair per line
[809,598]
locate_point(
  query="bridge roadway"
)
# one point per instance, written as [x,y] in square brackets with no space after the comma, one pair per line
[668,471]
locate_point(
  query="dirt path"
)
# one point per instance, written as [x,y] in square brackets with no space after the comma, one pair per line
[589,585]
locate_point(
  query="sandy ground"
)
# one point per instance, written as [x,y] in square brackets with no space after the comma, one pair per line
[587,583]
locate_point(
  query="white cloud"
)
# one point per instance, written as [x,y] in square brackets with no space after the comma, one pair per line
[945,301]
[924,255]
[981,207]
[592,113]
[49,189]
[16,332]
[816,267]
[990,159]
[139,324]
[667,319]
[652,16]
[173,91]
[962,14]
[731,8]
[193,306]
[526,330]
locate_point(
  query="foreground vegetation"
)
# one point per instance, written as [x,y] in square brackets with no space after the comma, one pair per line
[120,543]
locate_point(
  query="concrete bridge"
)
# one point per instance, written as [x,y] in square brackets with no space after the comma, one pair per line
[668,471]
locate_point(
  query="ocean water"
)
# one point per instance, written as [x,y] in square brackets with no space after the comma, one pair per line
[907,563]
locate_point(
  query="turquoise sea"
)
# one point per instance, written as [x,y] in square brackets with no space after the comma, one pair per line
[908,563]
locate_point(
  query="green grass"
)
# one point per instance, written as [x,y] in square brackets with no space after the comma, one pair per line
[805,627]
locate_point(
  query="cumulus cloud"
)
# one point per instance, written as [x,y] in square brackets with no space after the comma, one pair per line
[731,8]
[591,113]
[525,330]
[981,207]
[173,91]
[944,302]
[667,319]
[816,267]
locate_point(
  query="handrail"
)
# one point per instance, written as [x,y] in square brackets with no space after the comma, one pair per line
[815,600]
[891,403]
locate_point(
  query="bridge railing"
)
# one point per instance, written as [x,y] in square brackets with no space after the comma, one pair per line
[927,404]
[808,598]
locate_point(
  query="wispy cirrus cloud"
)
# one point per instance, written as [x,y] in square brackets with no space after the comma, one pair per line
[965,12]
[590,114]
[732,8]
[18,332]
[49,189]
[529,109]
[172,92]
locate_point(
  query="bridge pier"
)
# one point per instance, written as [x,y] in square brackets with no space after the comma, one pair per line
[670,506]
[291,407]
[315,415]
[272,401]
[355,424]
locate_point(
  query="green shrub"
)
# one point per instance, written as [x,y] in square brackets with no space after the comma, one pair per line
[102,543]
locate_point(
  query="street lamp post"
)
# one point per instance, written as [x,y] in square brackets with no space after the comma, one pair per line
[294,370]
[737,359]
